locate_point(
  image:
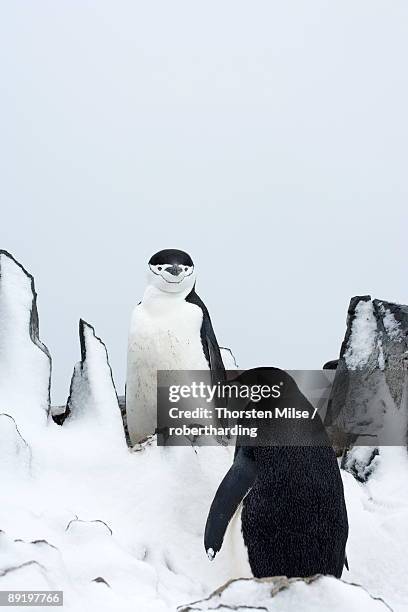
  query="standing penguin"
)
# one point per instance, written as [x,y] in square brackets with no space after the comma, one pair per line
[170,330]
[294,517]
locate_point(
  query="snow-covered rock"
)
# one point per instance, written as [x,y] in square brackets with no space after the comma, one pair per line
[393,326]
[25,363]
[93,404]
[361,461]
[280,594]
[368,402]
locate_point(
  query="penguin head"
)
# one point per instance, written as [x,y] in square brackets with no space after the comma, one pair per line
[171,271]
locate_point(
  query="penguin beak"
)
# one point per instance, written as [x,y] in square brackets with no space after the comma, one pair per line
[175,270]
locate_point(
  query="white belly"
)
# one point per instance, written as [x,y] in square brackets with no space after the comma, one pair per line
[235,547]
[163,336]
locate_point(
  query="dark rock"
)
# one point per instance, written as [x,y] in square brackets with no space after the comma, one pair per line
[369,389]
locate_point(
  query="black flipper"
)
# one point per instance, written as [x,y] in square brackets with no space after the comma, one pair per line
[346,563]
[209,341]
[236,484]
[211,350]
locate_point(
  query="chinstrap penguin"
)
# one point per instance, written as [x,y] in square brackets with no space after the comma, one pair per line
[294,517]
[170,330]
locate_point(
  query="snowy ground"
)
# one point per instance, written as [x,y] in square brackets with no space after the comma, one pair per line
[120,530]
[307,595]
[136,520]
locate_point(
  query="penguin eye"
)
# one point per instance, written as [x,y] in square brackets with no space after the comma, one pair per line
[159,268]
[185,268]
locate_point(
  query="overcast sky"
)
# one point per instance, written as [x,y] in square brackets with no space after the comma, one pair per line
[268,139]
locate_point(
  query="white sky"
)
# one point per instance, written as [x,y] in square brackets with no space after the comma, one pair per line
[268,139]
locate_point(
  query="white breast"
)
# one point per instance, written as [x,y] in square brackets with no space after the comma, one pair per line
[164,335]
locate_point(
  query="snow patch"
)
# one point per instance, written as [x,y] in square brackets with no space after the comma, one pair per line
[392,327]
[93,403]
[318,593]
[363,336]
[25,364]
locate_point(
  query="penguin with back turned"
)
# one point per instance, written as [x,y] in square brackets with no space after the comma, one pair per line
[294,518]
[170,329]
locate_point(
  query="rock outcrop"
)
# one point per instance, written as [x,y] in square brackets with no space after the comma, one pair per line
[280,594]
[25,362]
[368,403]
